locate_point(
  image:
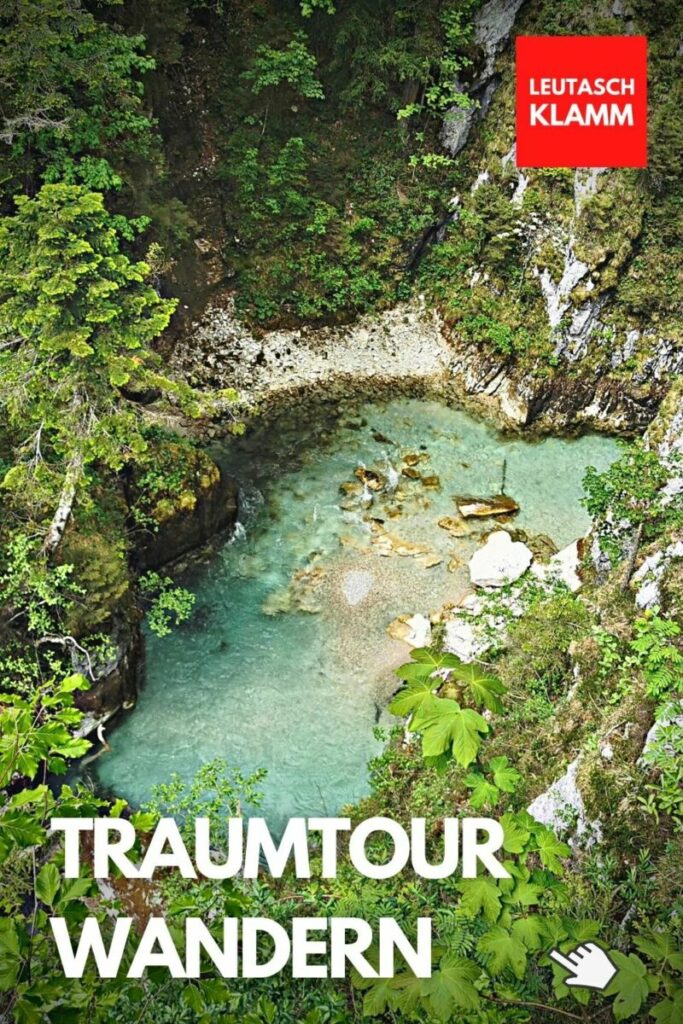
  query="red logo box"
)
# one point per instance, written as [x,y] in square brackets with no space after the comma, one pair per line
[581,101]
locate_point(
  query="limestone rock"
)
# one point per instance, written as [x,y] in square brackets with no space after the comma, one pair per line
[429,561]
[563,566]
[386,544]
[415,630]
[562,803]
[453,525]
[370,478]
[461,638]
[650,574]
[301,594]
[670,714]
[500,561]
[500,505]
[353,487]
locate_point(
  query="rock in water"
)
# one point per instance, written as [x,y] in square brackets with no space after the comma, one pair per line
[429,561]
[501,560]
[454,526]
[431,481]
[370,478]
[500,505]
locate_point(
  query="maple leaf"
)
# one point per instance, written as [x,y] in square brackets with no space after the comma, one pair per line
[445,725]
[480,894]
[451,987]
[629,985]
[505,950]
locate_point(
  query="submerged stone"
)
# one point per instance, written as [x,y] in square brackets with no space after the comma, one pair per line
[370,478]
[386,543]
[453,525]
[412,458]
[429,561]
[351,487]
[500,505]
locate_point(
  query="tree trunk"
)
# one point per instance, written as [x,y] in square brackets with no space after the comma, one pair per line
[66,501]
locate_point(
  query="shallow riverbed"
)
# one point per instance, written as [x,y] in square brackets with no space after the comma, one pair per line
[286,663]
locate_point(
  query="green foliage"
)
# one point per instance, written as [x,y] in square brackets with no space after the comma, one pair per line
[663,760]
[536,659]
[501,336]
[170,605]
[649,653]
[486,792]
[76,321]
[36,730]
[71,94]
[308,7]
[294,66]
[447,728]
[629,495]
[660,661]
[316,267]
[32,591]
[326,200]
[169,478]
[486,937]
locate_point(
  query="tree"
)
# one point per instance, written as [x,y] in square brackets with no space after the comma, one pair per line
[69,94]
[293,65]
[77,317]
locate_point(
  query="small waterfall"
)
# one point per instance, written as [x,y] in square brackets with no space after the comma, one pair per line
[238,533]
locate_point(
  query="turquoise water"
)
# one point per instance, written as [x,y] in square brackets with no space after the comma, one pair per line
[293,675]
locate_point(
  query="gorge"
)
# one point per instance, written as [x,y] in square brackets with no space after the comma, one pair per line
[292,610]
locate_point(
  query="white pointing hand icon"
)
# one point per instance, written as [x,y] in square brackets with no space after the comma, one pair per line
[588,966]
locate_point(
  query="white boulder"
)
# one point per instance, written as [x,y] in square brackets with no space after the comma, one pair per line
[561,808]
[500,561]
[649,575]
[564,566]
[463,639]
